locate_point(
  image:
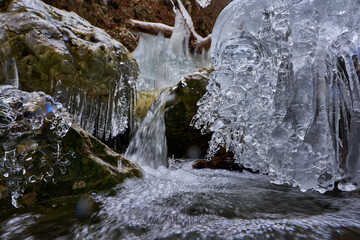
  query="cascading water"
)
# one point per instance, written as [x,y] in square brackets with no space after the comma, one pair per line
[284,96]
[161,62]
[148,146]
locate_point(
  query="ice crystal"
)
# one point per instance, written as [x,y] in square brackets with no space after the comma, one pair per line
[31,128]
[203,3]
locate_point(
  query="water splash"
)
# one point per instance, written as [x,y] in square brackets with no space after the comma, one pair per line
[284,96]
[148,147]
[201,204]
[31,128]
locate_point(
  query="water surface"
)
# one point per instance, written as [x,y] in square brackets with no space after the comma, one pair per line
[185,203]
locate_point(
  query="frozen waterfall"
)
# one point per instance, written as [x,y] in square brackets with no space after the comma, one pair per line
[285,93]
[162,61]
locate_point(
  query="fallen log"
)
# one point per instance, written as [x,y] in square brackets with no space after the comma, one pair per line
[151,28]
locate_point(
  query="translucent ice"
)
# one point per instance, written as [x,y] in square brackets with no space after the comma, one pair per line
[162,61]
[12,76]
[285,93]
[203,3]
[31,128]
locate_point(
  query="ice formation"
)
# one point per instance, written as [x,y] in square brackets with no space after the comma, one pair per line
[285,93]
[162,61]
[203,3]
[31,128]
[80,65]
[148,146]
[103,116]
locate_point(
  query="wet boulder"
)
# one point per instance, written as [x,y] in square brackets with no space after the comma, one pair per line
[144,99]
[63,55]
[184,140]
[45,156]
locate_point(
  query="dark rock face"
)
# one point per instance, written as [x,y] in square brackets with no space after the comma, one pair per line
[61,54]
[91,166]
[94,166]
[184,140]
[44,157]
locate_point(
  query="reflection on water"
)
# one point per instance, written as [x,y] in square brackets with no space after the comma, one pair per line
[185,203]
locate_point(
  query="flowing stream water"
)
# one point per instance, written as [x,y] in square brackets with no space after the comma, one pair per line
[180,202]
[184,203]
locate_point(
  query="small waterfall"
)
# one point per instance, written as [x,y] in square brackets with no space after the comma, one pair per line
[148,147]
[161,62]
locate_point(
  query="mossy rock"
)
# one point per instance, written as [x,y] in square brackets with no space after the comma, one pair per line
[92,167]
[63,55]
[144,99]
[184,140]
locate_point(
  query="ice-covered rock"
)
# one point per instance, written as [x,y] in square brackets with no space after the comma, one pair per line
[81,66]
[31,128]
[285,93]
[42,156]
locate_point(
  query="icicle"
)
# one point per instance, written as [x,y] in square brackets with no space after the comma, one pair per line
[12,76]
[162,61]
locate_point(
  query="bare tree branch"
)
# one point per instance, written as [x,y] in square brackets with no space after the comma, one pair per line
[151,28]
[203,43]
